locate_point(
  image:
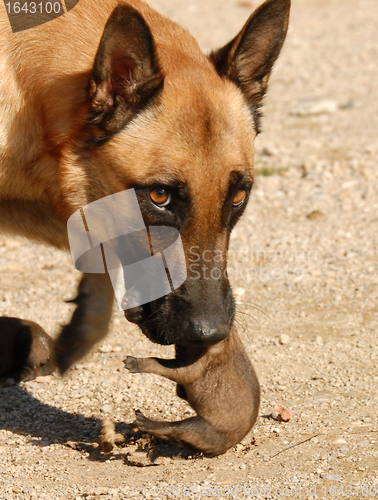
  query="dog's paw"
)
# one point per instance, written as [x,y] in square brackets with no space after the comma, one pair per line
[133,364]
[10,382]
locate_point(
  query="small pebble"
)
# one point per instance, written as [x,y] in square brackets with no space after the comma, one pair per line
[284,339]
[363,443]
[316,215]
[309,107]
[285,413]
[339,441]
[239,291]
[331,477]
[245,4]
[319,340]
[105,348]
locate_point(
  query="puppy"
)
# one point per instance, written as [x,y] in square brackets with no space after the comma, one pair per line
[25,351]
[219,383]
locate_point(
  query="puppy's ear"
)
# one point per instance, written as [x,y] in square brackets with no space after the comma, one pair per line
[126,72]
[248,59]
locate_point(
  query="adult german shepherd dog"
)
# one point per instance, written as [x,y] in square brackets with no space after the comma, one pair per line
[113,96]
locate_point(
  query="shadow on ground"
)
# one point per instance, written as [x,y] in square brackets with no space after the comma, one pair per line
[23,414]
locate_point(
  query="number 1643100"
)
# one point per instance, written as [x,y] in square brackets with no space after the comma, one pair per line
[33,7]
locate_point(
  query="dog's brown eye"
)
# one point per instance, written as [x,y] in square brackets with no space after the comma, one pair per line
[239,197]
[160,197]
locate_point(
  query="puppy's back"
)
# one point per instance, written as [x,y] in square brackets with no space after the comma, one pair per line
[228,393]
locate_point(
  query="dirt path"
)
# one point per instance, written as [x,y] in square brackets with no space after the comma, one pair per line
[304,265]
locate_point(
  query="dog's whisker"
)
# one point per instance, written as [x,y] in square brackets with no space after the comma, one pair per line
[256,320]
[253,306]
[252,317]
[238,322]
[160,332]
[240,312]
[150,318]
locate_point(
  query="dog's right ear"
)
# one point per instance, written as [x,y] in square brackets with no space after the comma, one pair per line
[126,72]
[248,59]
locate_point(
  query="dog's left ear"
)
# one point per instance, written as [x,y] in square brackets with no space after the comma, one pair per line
[248,59]
[126,72]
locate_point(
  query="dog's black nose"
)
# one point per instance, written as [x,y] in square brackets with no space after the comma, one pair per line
[206,332]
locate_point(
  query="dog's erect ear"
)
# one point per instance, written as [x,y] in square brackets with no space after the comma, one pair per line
[248,59]
[126,72]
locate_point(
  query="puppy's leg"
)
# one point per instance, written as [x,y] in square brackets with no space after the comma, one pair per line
[89,322]
[195,432]
[168,368]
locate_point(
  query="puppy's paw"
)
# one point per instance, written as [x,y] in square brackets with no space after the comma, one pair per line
[28,373]
[143,423]
[133,364]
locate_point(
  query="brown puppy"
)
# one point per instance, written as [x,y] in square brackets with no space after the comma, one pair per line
[25,351]
[219,383]
[113,96]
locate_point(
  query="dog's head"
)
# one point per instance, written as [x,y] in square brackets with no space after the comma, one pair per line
[179,127]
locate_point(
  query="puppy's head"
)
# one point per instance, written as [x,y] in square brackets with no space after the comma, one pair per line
[178,127]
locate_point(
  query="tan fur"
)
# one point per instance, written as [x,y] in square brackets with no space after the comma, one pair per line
[200,131]
[108,436]
[46,71]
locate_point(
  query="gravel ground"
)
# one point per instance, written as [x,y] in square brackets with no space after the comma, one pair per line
[303,263]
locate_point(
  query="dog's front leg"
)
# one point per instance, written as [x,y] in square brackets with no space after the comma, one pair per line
[90,321]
